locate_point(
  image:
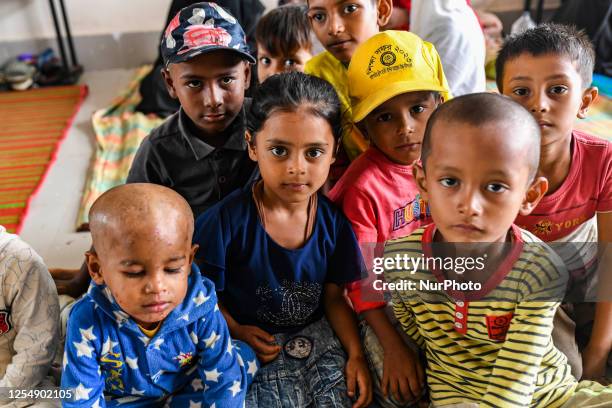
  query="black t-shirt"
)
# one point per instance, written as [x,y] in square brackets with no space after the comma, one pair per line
[172,155]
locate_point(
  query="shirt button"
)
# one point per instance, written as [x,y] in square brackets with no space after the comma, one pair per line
[460,304]
[458,325]
[459,315]
[222,179]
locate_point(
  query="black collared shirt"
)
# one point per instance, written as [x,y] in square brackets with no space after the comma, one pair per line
[174,156]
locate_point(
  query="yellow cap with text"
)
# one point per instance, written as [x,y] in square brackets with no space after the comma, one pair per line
[389,64]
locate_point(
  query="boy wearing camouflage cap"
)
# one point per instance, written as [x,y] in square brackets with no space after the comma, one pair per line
[200,151]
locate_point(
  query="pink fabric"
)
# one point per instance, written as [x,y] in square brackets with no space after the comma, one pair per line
[586,190]
[381,200]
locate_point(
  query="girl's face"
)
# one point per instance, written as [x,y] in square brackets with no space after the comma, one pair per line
[294,151]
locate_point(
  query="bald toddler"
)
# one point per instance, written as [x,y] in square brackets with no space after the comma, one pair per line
[149,331]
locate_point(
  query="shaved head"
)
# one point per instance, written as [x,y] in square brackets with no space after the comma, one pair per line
[139,211]
[488,110]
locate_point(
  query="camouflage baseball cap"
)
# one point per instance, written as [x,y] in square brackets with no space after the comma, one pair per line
[202,28]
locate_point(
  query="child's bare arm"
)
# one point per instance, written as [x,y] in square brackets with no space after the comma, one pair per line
[343,322]
[72,282]
[595,356]
[403,376]
[261,341]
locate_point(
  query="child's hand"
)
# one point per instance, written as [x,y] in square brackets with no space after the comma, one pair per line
[593,364]
[72,282]
[403,376]
[358,377]
[261,341]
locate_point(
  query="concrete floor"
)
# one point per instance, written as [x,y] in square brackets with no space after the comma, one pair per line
[49,226]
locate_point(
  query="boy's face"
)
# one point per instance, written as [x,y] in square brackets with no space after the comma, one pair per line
[269,64]
[550,87]
[210,88]
[396,127]
[146,269]
[477,181]
[294,151]
[341,25]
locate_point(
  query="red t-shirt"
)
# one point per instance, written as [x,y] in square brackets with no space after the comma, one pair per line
[381,200]
[568,213]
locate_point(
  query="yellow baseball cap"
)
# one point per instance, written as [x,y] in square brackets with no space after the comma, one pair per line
[389,64]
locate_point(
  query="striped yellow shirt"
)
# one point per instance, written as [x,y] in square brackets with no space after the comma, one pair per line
[495,349]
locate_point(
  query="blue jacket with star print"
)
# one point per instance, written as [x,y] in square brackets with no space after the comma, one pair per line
[191,360]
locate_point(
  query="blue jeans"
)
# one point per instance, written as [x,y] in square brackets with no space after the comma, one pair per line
[315,381]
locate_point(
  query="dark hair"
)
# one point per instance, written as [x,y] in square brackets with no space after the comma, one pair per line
[550,38]
[288,92]
[479,109]
[284,30]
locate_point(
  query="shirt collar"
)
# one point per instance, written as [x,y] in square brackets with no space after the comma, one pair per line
[200,148]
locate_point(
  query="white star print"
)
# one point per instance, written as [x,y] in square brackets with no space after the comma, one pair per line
[216,307]
[127,400]
[81,393]
[185,317]
[252,367]
[120,316]
[198,300]
[87,334]
[194,337]
[212,340]
[96,404]
[230,347]
[195,404]
[136,392]
[108,294]
[240,361]
[145,340]
[65,360]
[157,343]
[156,376]
[132,362]
[235,388]
[212,375]
[197,384]
[213,405]
[83,348]
[108,346]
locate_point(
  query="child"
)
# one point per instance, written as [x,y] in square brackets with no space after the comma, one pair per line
[283,253]
[200,151]
[487,335]
[391,102]
[29,319]
[548,70]
[341,26]
[149,331]
[283,41]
